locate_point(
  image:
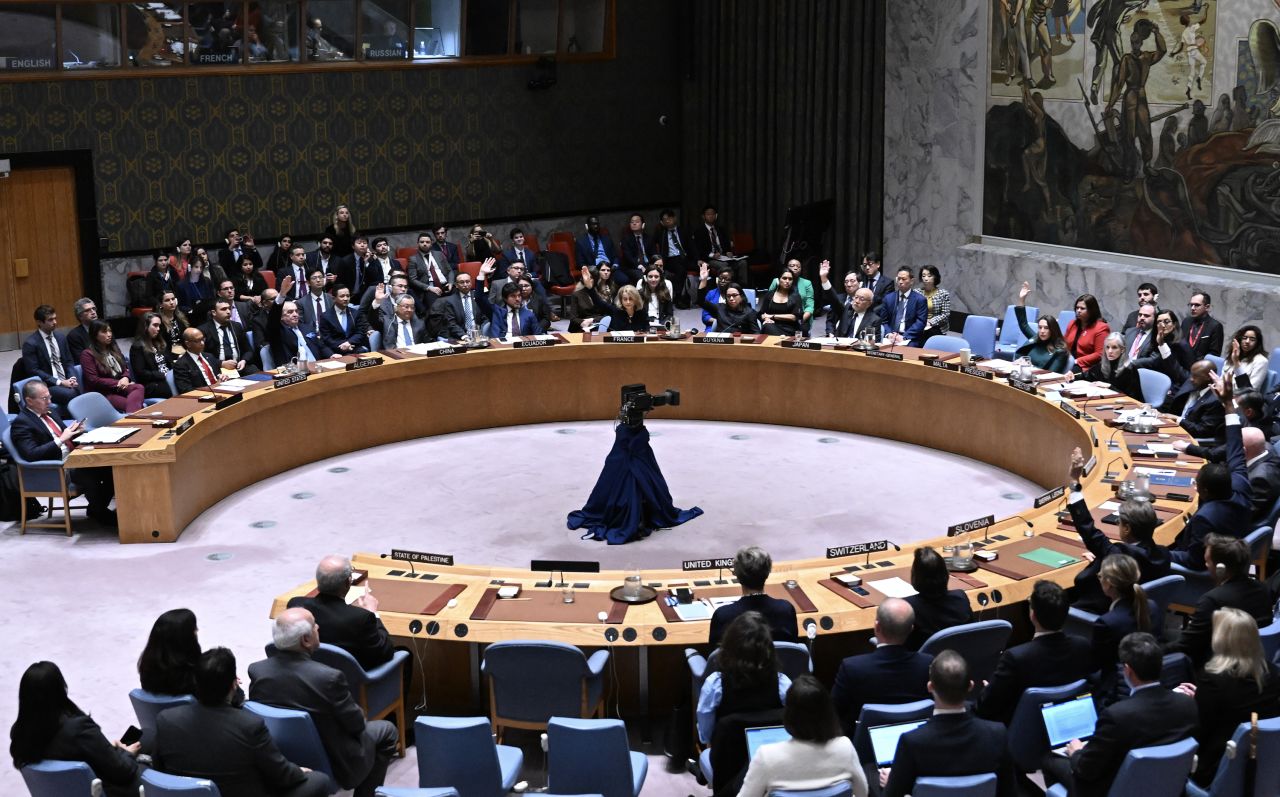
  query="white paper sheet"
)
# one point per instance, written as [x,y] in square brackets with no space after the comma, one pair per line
[693,611]
[893,587]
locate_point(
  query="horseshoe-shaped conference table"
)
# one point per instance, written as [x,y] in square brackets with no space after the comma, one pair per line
[164,480]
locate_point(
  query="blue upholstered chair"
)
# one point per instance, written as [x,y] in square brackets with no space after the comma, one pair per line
[1176,668]
[1229,779]
[1198,582]
[1155,386]
[40,479]
[1065,317]
[169,380]
[95,409]
[158,784]
[957,786]
[1161,590]
[1217,363]
[294,732]
[17,391]
[1270,636]
[876,714]
[388,791]
[460,752]
[980,643]
[1028,741]
[980,331]
[947,343]
[844,789]
[380,691]
[61,779]
[268,362]
[1011,336]
[531,681]
[592,755]
[146,707]
[1150,771]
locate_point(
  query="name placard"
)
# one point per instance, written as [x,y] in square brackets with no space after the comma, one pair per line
[801,344]
[423,558]
[971,525]
[885,355]
[1091,464]
[291,379]
[632,339]
[363,362]
[448,350]
[934,362]
[1069,409]
[707,564]
[708,339]
[981,373]
[1052,495]
[184,426]
[1025,387]
[858,549]
[520,343]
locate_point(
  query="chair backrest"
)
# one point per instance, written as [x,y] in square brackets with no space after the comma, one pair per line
[947,343]
[264,354]
[158,784]
[957,786]
[458,752]
[147,706]
[1028,740]
[980,331]
[874,714]
[1162,590]
[344,662]
[842,789]
[743,243]
[471,267]
[1273,362]
[1217,363]
[793,659]
[1270,635]
[406,252]
[559,670]
[1065,317]
[1159,771]
[401,791]
[567,249]
[169,380]
[17,392]
[1176,668]
[980,643]
[294,732]
[589,755]
[95,409]
[61,779]
[1010,332]
[1154,386]
[268,277]
[1266,781]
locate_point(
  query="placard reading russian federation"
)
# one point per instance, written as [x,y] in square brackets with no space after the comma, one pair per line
[858,549]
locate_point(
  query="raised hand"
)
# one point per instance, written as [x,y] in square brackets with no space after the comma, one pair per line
[824,270]
[1024,291]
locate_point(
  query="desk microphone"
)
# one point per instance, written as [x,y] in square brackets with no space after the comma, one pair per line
[1119,459]
[895,545]
[1112,438]
[1030,528]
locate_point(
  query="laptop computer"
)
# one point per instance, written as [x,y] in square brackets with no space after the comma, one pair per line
[764,735]
[1065,720]
[884,740]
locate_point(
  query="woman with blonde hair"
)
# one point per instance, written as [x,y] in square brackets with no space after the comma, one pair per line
[343,231]
[1236,682]
[1131,610]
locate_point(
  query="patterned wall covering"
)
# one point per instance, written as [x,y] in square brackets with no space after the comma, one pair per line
[177,157]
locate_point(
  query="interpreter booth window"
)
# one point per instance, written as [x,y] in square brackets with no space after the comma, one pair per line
[537,25]
[90,36]
[331,30]
[385,29]
[436,27]
[272,32]
[487,27]
[217,33]
[582,28]
[28,38]
[153,34]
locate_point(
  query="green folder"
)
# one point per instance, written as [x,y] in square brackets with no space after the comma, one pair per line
[1049,557]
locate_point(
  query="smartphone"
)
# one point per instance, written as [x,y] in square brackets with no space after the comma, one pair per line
[1177,496]
[134,734]
[862,592]
[684,595]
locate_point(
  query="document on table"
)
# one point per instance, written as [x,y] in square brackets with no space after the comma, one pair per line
[893,587]
[236,385]
[622,334]
[999,366]
[1049,557]
[832,341]
[716,603]
[105,435]
[1160,448]
[423,348]
[327,365]
[718,335]
[696,610]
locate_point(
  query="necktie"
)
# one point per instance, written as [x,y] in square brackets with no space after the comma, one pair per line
[1138,340]
[304,351]
[673,239]
[228,350]
[902,312]
[55,431]
[599,248]
[468,315]
[514,328]
[406,334]
[299,281]
[342,319]
[55,359]
[437,277]
[715,240]
[644,258]
[319,311]
[355,287]
[209,378]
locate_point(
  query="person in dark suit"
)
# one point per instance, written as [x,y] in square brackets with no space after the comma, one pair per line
[1136,525]
[379,302]
[1261,461]
[162,277]
[953,741]
[237,246]
[519,253]
[1139,334]
[905,311]
[214,740]
[509,318]
[78,336]
[342,328]
[1152,716]
[430,274]
[258,317]
[637,253]
[149,357]
[288,339]
[1228,560]
[357,270]
[196,368]
[1202,333]
[935,606]
[228,339]
[1226,499]
[852,314]
[46,354]
[38,433]
[752,566]
[451,251]
[889,674]
[1148,294]
[676,255]
[733,313]
[358,750]
[404,328]
[461,310]
[1131,610]
[1051,658]
[50,726]
[292,280]
[323,258]
[871,278]
[1165,353]
[713,244]
[354,627]
[1198,408]
[316,303]
[596,247]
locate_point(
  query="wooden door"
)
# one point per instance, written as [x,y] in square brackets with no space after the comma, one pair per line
[38,224]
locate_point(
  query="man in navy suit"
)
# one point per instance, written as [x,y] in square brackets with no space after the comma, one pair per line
[227,340]
[637,253]
[1051,658]
[510,318]
[289,339]
[451,251]
[1226,498]
[38,433]
[1198,409]
[889,674]
[197,367]
[519,253]
[905,311]
[292,279]
[752,566]
[953,741]
[676,255]
[323,258]
[359,269]
[871,278]
[404,328]
[316,303]
[853,311]
[46,354]
[343,328]
[455,314]
[594,247]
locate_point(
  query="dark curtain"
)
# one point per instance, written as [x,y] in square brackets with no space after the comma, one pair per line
[785,106]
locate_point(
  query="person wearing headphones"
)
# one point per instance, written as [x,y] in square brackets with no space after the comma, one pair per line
[1227,559]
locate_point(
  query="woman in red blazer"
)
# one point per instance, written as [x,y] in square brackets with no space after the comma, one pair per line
[1087,334]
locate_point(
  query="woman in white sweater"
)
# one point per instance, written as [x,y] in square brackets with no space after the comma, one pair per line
[817,754]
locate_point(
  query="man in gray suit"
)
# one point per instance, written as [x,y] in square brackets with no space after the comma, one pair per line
[216,740]
[404,321]
[358,750]
[430,275]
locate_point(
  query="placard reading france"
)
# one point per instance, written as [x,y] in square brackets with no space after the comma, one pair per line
[858,549]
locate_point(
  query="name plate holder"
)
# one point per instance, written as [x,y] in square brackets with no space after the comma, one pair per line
[720,564]
[448,351]
[1071,410]
[885,355]
[981,373]
[364,362]
[609,338]
[1025,387]
[1052,495]
[286,381]
[971,525]
[802,344]
[935,362]
[714,340]
[524,343]
[422,558]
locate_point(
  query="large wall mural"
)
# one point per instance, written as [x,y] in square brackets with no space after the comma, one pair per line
[1143,127]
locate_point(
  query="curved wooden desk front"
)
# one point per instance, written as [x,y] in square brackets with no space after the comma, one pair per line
[163,485]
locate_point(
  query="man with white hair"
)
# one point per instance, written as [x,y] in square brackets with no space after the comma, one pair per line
[354,626]
[358,750]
